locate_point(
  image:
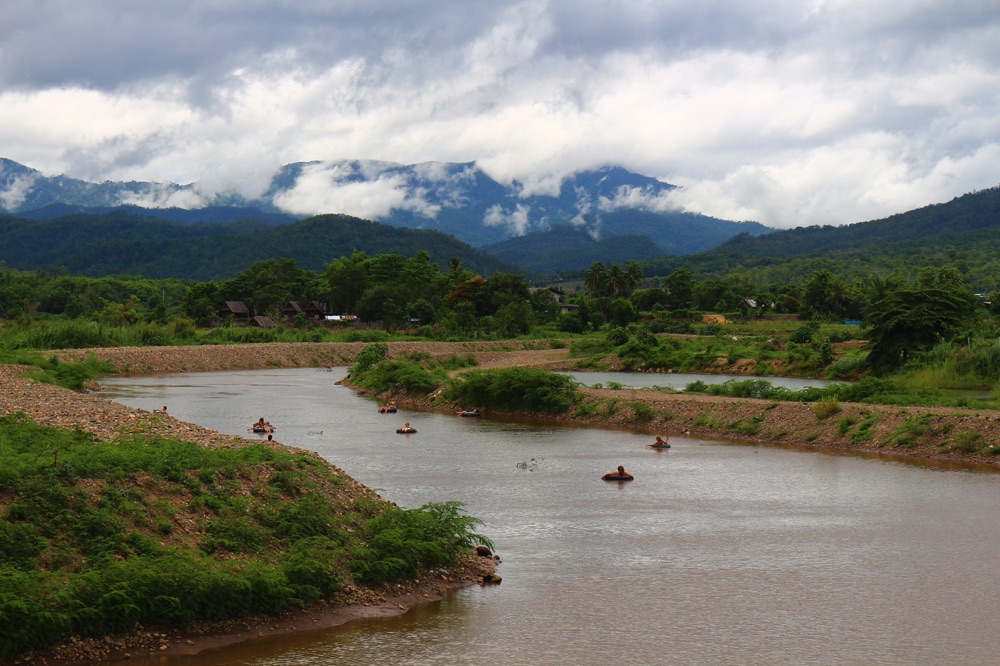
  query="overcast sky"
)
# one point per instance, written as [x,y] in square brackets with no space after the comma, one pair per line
[788,112]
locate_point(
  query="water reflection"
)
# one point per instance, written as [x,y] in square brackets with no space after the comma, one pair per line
[714,554]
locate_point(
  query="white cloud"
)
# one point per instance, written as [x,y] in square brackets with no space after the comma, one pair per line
[326,188]
[638,197]
[516,221]
[789,113]
[14,194]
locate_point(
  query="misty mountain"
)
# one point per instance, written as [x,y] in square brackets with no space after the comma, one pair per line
[453,198]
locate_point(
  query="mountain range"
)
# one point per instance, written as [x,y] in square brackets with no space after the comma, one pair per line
[454,198]
[59,223]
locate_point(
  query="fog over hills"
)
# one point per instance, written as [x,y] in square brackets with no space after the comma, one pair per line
[454,198]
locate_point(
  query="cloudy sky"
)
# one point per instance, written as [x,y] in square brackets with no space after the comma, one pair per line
[788,112]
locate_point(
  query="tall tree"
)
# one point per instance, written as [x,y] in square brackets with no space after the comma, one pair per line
[348,278]
[910,320]
[596,279]
[633,276]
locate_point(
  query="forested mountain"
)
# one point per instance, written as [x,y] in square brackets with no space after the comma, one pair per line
[458,199]
[641,235]
[964,232]
[210,215]
[975,215]
[124,243]
[567,249]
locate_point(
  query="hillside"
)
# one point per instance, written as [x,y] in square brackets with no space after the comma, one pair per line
[125,243]
[964,232]
[973,217]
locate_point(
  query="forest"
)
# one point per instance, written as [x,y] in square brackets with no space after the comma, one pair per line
[925,327]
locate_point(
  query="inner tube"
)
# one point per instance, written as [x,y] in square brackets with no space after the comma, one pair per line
[617,477]
[387,410]
[406,431]
[659,446]
[260,430]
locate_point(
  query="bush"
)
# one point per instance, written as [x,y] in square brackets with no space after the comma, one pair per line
[395,376]
[401,542]
[368,357]
[617,336]
[515,389]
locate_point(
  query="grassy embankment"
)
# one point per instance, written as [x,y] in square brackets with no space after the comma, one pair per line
[99,538]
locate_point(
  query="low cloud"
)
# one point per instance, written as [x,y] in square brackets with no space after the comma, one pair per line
[641,198]
[515,221]
[165,197]
[327,188]
[16,190]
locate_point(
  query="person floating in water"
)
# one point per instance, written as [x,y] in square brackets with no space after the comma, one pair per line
[160,411]
[618,475]
[660,443]
[262,425]
[407,428]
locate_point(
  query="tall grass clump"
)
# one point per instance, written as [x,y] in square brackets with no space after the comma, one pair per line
[417,374]
[72,375]
[63,334]
[515,389]
[400,543]
[824,409]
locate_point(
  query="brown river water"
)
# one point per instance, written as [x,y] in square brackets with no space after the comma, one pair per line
[717,553]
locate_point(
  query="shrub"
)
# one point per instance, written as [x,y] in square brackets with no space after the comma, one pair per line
[617,336]
[368,357]
[401,542]
[515,389]
[402,375]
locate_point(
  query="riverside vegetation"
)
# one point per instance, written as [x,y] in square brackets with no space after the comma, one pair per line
[97,538]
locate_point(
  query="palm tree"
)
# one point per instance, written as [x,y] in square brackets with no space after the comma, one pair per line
[633,276]
[596,279]
[617,282]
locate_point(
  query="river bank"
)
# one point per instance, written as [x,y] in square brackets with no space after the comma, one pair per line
[940,433]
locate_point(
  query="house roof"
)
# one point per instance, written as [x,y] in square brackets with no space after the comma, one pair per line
[236,307]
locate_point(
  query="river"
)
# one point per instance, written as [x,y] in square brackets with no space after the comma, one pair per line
[717,553]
